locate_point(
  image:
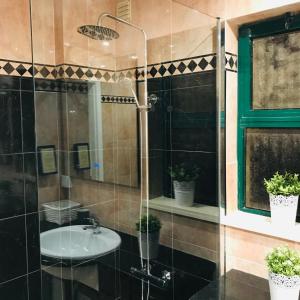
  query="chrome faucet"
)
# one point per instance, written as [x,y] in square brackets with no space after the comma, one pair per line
[95,225]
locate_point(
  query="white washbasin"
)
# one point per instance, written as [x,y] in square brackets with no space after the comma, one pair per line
[73,242]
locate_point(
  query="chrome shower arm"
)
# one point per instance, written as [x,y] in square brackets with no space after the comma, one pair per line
[104,15]
[107,15]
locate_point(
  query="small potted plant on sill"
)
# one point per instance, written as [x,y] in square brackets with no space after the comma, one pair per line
[148,236]
[283,192]
[284,273]
[184,183]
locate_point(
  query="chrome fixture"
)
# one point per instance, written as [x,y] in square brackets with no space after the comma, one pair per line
[143,108]
[99,32]
[96,32]
[95,225]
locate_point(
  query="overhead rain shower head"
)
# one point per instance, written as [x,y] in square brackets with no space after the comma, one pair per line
[97,32]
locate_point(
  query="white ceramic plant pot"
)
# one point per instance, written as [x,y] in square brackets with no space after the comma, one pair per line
[153,241]
[184,192]
[284,287]
[283,210]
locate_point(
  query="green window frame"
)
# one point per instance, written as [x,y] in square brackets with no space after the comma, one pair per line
[248,117]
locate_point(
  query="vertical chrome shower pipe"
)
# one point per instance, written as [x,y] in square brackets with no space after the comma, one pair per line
[221,190]
[144,146]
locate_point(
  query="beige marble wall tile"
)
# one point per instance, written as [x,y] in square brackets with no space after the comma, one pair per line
[15,30]
[58,31]
[192,236]
[231,38]
[47,119]
[105,212]
[234,8]
[43,31]
[79,49]
[196,250]
[89,192]
[246,251]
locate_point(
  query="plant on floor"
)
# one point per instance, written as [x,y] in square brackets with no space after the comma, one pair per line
[283,184]
[183,172]
[154,224]
[284,261]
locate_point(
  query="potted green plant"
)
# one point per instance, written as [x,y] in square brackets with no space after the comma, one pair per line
[184,177]
[284,273]
[284,190]
[148,235]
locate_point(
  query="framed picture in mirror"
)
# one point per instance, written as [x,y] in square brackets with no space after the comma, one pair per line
[81,156]
[47,159]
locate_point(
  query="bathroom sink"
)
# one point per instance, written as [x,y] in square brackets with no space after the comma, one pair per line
[74,242]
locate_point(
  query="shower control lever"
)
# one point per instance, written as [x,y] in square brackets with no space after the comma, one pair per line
[143,274]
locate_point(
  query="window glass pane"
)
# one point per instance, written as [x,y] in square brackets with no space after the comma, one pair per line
[276,72]
[269,150]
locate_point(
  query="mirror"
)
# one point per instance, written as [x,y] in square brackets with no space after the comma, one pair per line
[94,127]
[102,133]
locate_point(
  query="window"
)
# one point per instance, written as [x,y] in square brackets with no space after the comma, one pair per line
[269,106]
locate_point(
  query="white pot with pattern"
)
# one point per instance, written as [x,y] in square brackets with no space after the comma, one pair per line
[284,287]
[283,210]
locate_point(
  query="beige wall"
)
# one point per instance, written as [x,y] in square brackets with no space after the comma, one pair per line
[246,251]
[228,9]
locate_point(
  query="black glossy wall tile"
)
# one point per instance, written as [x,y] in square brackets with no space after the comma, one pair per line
[156,161]
[196,266]
[10,83]
[13,248]
[28,121]
[10,120]
[206,184]
[194,100]
[33,241]
[30,182]
[194,139]
[183,126]
[11,186]
[27,84]
[194,79]
[14,290]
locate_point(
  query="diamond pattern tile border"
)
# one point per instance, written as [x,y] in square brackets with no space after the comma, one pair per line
[179,67]
[231,62]
[65,71]
[117,99]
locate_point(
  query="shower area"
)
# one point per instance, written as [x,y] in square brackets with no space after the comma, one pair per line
[113,103]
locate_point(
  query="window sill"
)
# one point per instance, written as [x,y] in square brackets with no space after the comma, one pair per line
[261,225]
[197,211]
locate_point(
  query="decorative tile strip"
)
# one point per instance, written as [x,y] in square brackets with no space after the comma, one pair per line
[230,61]
[117,99]
[61,85]
[86,73]
[179,67]
[15,68]
[66,71]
